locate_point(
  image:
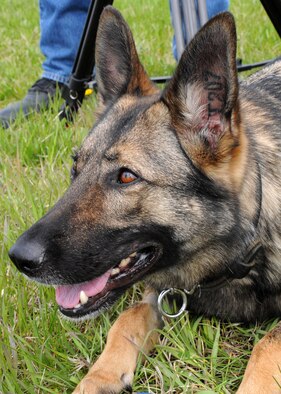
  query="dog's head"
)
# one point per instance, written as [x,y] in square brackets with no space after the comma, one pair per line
[155,182]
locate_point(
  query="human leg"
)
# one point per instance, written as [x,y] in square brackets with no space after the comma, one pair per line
[61,24]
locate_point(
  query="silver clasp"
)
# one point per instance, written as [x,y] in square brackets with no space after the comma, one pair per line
[172,291]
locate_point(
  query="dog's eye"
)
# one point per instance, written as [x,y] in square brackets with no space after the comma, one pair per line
[126,176]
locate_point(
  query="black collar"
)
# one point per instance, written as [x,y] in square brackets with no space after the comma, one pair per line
[238,269]
[241,267]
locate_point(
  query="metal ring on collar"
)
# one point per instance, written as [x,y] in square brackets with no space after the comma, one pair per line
[171,292]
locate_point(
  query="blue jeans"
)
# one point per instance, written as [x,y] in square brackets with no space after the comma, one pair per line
[61,24]
[216,6]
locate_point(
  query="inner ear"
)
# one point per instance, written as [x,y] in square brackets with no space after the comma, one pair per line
[202,94]
[210,62]
[118,68]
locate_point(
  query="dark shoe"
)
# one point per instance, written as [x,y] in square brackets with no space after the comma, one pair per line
[38,98]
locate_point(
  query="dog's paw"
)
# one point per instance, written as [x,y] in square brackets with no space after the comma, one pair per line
[98,382]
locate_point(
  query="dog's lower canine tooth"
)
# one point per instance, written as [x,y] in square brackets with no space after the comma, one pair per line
[83,297]
[115,271]
[133,254]
[124,262]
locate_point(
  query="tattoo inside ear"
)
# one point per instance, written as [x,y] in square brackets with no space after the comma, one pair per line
[215,85]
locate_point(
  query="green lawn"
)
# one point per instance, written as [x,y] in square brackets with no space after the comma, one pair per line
[39,351]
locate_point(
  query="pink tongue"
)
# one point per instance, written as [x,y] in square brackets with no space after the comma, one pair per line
[68,296]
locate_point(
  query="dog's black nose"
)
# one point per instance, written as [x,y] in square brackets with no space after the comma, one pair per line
[27,255]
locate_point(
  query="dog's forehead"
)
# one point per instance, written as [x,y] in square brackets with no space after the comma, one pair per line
[135,132]
[130,118]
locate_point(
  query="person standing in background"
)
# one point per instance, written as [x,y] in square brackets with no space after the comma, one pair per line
[61,25]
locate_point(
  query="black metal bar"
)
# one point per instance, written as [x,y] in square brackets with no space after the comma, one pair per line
[240,68]
[85,61]
[82,71]
[247,67]
[273,10]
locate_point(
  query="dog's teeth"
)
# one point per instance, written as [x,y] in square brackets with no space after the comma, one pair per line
[133,254]
[115,271]
[77,306]
[124,262]
[83,297]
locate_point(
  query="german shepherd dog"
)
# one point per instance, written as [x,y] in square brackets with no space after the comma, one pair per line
[180,189]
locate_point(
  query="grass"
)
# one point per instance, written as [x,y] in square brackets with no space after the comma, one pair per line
[39,351]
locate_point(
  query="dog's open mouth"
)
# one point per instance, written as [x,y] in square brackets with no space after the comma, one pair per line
[90,297]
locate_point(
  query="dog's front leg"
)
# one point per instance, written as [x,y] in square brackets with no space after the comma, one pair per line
[130,335]
[263,372]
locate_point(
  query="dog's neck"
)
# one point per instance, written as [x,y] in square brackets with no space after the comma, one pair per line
[238,268]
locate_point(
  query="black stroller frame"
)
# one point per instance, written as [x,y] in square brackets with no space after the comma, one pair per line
[82,72]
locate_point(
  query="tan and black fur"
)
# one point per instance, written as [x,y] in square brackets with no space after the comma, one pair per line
[188,180]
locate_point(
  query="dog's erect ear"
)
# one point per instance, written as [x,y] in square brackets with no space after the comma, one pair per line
[202,95]
[118,69]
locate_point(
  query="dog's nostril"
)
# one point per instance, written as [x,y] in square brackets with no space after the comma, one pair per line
[27,256]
